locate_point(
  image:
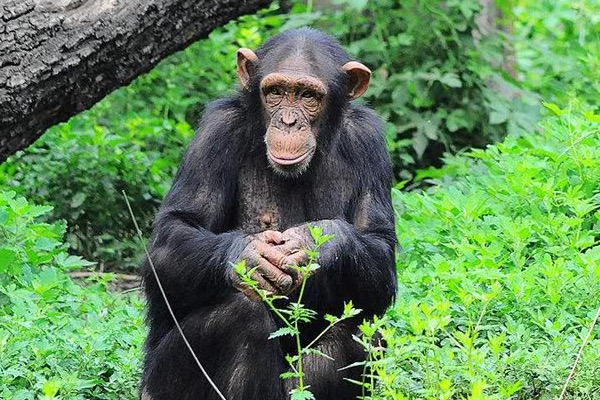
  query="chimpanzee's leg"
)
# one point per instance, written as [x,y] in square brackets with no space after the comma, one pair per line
[323,376]
[231,341]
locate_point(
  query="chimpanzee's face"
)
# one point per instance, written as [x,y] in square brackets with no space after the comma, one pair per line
[293,106]
[293,100]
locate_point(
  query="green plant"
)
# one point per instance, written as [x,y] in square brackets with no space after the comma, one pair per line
[558,48]
[81,167]
[59,340]
[295,314]
[499,272]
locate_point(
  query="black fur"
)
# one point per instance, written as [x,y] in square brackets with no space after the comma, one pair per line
[224,182]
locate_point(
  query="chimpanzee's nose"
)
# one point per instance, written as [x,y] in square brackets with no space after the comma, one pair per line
[288,117]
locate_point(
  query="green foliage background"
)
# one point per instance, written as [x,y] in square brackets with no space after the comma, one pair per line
[500,270]
[500,263]
[60,340]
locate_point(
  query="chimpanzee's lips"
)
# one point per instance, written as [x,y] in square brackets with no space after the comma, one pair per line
[288,160]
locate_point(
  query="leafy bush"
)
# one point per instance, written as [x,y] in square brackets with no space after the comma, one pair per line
[500,272]
[58,339]
[437,88]
[558,47]
[82,167]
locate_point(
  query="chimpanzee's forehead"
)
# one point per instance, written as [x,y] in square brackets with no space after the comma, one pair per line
[299,58]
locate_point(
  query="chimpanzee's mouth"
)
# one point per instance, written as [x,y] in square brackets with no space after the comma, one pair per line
[288,160]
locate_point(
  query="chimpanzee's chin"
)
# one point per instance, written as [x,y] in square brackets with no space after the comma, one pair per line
[291,171]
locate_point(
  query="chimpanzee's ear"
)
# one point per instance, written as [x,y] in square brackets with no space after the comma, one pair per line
[359,77]
[245,58]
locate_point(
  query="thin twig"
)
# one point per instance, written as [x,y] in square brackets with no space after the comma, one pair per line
[320,335]
[89,274]
[164,295]
[134,289]
[576,142]
[476,329]
[585,341]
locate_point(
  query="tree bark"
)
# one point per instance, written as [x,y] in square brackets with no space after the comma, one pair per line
[491,21]
[60,57]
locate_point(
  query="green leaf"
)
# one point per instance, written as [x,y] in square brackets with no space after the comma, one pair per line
[317,352]
[457,120]
[289,375]
[50,388]
[332,319]
[78,199]
[23,394]
[451,79]
[285,331]
[36,211]
[350,311]
[420,143]
[3,216]
[498,117]
[72,262]
[355,5]
[7,258]
[554,108]
[297,394]
[316,232]
[46,244]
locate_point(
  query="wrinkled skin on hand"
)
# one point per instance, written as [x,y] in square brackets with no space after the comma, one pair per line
[273,254]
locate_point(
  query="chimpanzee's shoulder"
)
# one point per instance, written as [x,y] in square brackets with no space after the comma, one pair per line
[227,111]
[362,119]
[362,143]
[217,136]
[363,130]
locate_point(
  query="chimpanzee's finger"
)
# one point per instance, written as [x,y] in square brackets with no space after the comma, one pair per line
[290,247]
[274,237]
[275,276]
[295,234]
[298,259]
[274,255]
[281,260]
[262,282]
[294,260]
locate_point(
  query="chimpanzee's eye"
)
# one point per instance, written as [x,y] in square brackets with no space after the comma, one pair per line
[274,90]
[308,94]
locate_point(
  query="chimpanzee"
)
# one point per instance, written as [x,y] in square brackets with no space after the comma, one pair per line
[287,150]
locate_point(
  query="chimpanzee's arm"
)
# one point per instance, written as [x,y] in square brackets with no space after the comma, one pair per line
[190,245]
[358,264]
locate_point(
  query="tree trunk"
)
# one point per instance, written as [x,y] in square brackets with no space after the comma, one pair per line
[490,22]
[59,57]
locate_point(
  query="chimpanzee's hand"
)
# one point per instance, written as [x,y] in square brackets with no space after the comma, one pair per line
[295,241]
[261,253]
